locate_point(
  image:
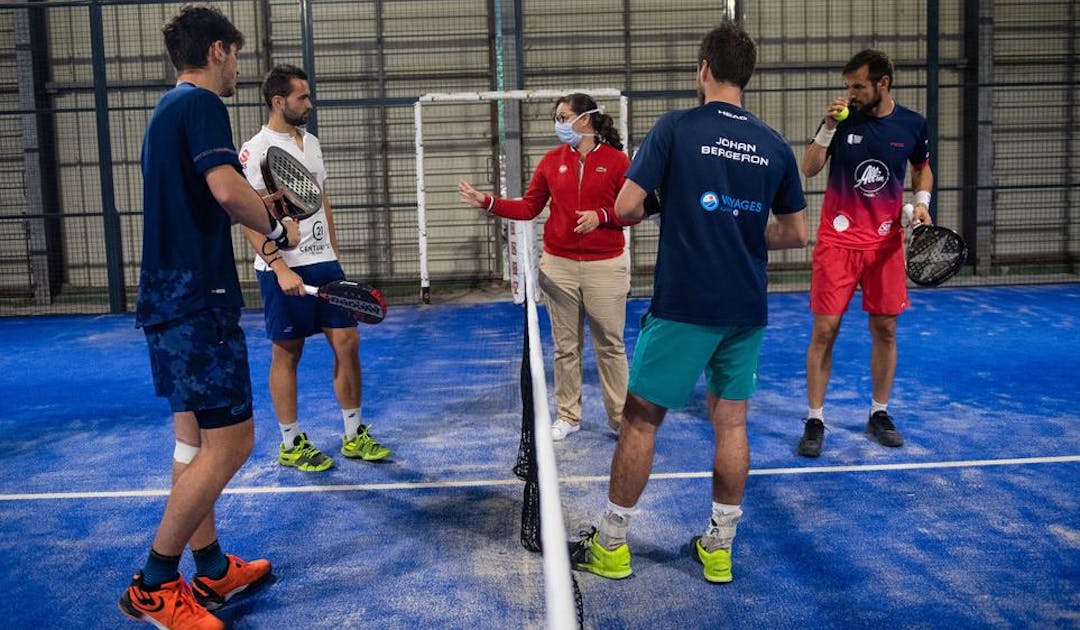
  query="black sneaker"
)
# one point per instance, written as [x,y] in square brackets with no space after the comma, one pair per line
[813,437]
[881,428]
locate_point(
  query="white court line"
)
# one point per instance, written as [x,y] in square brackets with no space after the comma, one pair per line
[476,483]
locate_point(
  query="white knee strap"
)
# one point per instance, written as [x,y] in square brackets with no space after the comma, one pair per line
[184,453]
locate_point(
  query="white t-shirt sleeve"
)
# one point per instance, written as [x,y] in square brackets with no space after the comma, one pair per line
[251,155]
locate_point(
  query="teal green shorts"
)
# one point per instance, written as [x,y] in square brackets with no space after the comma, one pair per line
[670,356]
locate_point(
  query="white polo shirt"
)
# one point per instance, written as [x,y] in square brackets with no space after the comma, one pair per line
[314,244]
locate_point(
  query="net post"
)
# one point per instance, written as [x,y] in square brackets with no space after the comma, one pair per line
[558,592]
[421,203]
[624,132]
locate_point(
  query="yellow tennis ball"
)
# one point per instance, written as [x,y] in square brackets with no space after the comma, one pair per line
[842,115]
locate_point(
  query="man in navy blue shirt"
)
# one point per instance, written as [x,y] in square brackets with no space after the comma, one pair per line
[189,308]
[719,171]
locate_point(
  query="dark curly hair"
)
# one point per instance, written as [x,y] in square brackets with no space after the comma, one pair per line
[190,34]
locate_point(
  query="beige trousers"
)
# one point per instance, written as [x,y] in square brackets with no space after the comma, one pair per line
[594,289]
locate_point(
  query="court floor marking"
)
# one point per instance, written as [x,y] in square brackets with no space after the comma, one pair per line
[476,483]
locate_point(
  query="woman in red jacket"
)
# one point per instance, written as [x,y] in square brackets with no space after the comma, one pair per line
[584,270]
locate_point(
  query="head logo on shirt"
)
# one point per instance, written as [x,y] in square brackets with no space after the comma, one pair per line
[563,168]
[871,176]
[710,201]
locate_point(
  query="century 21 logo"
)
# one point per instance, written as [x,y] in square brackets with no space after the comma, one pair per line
[871,176]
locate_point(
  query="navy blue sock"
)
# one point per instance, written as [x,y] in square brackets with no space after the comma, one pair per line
[160,569]
[210,562]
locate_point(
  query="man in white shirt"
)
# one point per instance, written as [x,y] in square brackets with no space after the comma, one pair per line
[291,316]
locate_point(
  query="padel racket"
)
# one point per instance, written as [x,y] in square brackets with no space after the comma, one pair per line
[363,302]
[281,171]
[934,255]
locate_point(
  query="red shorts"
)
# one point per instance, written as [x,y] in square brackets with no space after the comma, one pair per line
[838,271]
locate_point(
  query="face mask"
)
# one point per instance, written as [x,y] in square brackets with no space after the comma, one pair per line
[565,130]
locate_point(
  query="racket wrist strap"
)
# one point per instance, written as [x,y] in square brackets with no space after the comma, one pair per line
[278,234]
[824,136]
[922,197]
[489,203]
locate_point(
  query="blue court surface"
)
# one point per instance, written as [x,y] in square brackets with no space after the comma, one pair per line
[974,522]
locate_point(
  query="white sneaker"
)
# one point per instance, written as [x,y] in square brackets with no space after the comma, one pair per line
[561,428]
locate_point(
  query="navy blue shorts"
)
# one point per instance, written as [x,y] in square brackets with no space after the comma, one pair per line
[200,364]
[291,317]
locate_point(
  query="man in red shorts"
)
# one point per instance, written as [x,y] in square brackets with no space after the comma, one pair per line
[860,240]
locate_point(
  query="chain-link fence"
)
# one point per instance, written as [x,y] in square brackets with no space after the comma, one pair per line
[995,79]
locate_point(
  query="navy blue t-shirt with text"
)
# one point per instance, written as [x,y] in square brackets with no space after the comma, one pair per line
[187,257]
[719,171]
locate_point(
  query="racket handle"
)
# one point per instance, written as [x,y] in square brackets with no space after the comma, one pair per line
[310,290]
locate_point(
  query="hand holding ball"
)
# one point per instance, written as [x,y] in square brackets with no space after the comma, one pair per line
[841,114]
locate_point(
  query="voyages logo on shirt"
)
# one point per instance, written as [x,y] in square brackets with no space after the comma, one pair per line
[711,201]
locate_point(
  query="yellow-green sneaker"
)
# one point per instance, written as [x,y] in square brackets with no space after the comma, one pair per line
[363,446]
[717,563]
[589,555]
[303,456]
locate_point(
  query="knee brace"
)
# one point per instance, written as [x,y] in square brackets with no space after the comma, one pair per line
[184,453]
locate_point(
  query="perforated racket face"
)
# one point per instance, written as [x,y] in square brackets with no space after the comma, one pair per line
[282,171]
[934,255]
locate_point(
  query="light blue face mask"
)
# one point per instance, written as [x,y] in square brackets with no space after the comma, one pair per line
[565,130]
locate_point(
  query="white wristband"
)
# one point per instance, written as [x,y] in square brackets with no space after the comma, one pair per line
[276,230]
[824,136]
[923,197]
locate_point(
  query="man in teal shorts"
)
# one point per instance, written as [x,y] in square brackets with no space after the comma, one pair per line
[719,171]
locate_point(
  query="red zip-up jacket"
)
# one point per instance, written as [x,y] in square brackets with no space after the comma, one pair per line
[593,187]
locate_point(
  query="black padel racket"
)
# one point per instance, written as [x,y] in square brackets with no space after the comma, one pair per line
[281,171]
[934,255]
[363,302]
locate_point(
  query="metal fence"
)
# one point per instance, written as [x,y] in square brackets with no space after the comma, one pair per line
[80,79]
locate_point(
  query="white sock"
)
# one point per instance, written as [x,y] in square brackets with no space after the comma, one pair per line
[818,413]
[875,406]
[721,529]
[614,524]
[353,419]
[289,433]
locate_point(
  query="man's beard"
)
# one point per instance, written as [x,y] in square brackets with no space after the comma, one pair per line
[296,121]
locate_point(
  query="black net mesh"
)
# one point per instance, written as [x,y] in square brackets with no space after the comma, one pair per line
[525,469]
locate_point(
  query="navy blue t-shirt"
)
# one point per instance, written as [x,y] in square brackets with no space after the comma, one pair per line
[719,170]
[187,257]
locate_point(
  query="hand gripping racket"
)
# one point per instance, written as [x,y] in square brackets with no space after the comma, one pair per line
[934,255]
[363,302]
[302,196]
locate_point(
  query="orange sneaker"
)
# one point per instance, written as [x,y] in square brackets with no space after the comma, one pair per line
[240,575]
[171,606]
